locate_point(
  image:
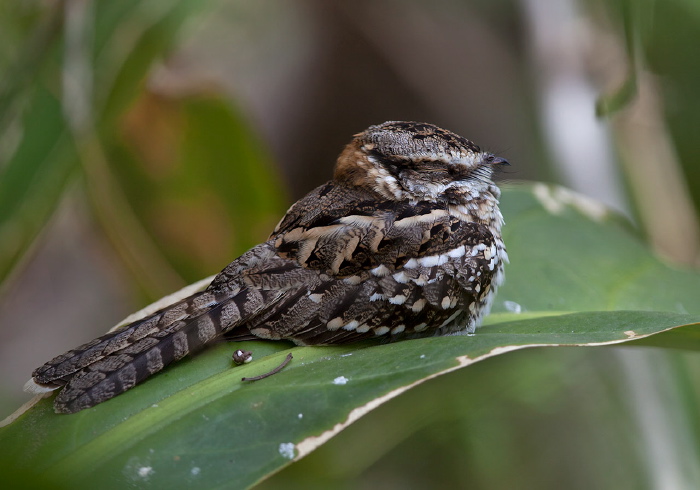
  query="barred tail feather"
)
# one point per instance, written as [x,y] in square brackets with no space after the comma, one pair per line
[113,363]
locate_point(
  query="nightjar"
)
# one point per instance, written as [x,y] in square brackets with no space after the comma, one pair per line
[404,242]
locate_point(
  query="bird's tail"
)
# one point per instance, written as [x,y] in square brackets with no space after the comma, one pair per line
[115,362]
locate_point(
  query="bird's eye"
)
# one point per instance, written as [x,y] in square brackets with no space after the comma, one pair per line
[489,158]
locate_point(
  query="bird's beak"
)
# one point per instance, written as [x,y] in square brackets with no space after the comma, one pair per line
[499,161]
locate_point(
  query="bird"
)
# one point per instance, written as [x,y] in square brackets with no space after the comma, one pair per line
[404,242]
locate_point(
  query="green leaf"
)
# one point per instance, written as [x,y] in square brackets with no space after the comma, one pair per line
[198,424]
[197,178]
[37,153]
[33,179]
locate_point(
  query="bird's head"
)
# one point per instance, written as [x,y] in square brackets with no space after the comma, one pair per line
[417,161]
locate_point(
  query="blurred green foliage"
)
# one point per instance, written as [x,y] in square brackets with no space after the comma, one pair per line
[180,184]
[182,177]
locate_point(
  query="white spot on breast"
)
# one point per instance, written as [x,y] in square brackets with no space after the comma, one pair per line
[457,252]
[429,261]
[316,298]
[418,305]
[399,299]
[478,248]
[352,280]
[381,330]
[398,329]
[335,323]
[445,302]
[351,326]
[380,271]
[411,264]
[401,278]
[421,280]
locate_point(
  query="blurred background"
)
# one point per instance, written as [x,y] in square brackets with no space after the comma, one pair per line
[144,145]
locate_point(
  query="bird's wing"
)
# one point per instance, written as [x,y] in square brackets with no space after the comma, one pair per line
[353,267]
[344,231]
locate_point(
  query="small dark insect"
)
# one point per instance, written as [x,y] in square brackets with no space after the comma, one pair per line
[274,371]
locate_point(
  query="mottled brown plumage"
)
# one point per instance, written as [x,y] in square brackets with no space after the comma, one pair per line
[403,242]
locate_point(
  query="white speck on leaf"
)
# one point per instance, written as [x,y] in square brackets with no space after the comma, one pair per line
[340,380]
[145,471]
[422,356]
[287,450]
[513,307]
[301,416]
[555,199]
[195,470]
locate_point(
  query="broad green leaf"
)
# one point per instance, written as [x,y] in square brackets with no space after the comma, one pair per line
[198,424]
[569,253]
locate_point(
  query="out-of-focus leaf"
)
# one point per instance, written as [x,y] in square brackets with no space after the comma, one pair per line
[198,424]
[199,180]
[130,36]
[127,38]
[32,181]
